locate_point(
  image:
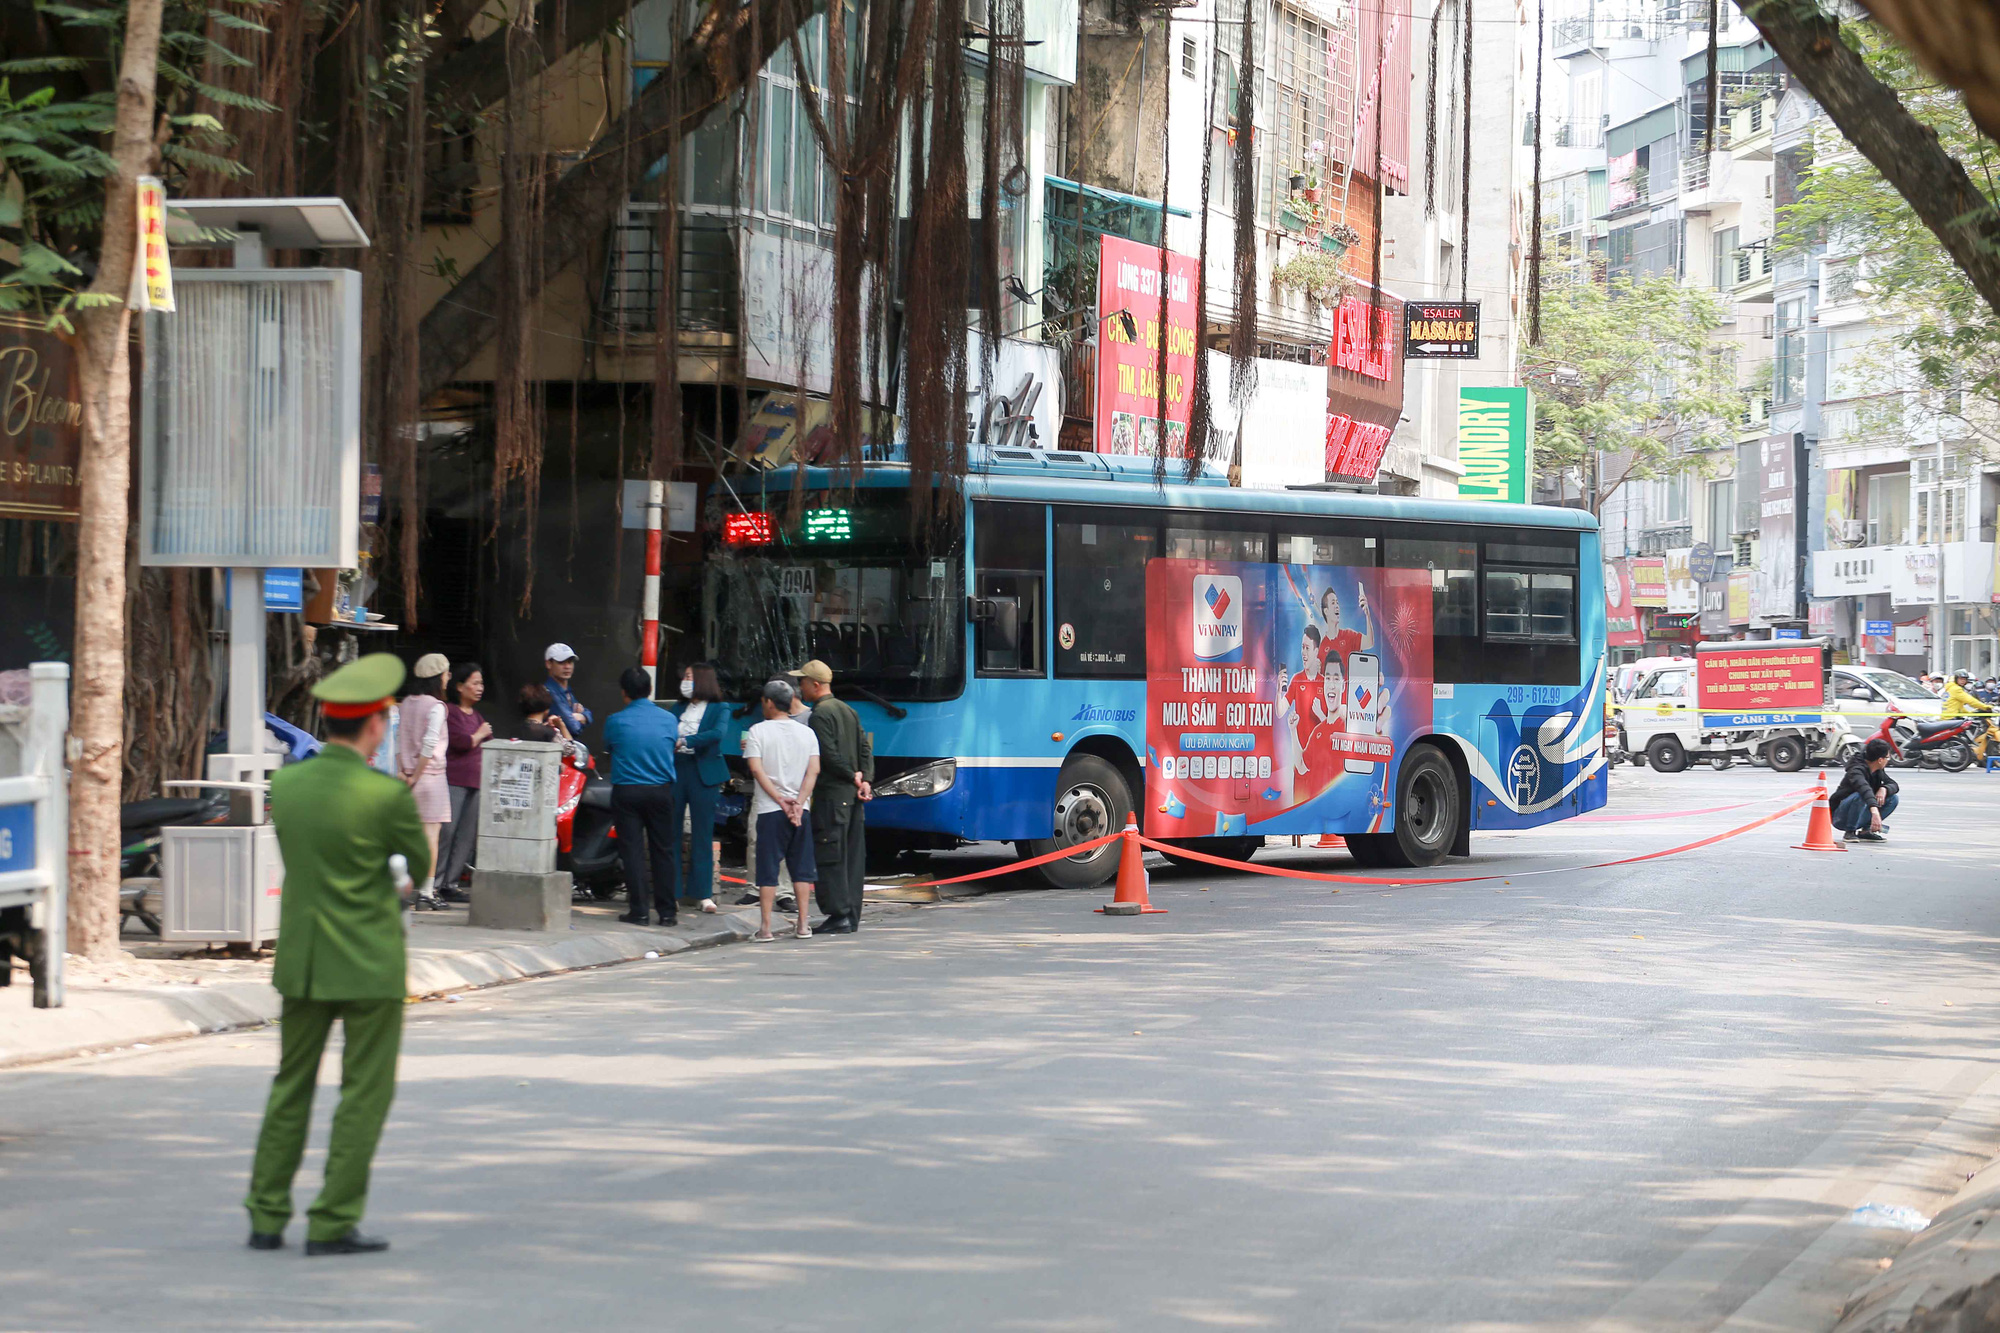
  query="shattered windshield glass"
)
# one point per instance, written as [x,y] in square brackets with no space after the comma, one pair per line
[842,582]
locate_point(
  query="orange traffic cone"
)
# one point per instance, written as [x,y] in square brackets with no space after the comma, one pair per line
[1819,826]
[1331,842]
[1131,899]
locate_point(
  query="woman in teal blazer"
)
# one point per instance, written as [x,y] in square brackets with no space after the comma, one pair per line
[699,774]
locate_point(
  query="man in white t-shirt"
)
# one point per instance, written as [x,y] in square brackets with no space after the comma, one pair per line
[784,763]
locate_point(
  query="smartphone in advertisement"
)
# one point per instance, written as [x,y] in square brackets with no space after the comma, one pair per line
[1364,703]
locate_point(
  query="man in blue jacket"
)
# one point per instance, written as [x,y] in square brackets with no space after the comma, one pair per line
[641,736]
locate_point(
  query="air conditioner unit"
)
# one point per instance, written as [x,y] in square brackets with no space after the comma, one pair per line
[250,431]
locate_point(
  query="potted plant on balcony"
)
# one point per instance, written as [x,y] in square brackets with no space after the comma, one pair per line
[1316,275]
[1338,239]
[1298,177]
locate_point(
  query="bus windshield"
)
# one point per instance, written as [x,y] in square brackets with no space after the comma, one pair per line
[842,582]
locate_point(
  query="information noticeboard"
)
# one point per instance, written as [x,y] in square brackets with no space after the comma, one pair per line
[1761,685]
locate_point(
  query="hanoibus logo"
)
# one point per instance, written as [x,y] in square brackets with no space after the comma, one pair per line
[1218,618]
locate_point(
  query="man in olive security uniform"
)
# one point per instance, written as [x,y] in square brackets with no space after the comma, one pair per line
[340,956]
[846,768]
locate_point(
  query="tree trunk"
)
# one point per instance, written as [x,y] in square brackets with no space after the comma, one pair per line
[97,707]
[724,52]
[1902,148]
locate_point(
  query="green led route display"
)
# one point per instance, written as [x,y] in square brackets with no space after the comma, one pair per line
[827,525]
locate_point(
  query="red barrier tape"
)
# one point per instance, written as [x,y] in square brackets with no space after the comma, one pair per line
[1288,873]
[1680,814]
[1809,794]
[1007,869]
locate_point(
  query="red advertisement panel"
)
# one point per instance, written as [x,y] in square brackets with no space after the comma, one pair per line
[1621,618]
[1779,676]
[1128,367]
[1278,696]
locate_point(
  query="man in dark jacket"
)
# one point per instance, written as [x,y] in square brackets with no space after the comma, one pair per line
[846,768]
[1866,796]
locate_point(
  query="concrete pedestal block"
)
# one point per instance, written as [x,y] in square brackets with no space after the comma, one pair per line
[509,900]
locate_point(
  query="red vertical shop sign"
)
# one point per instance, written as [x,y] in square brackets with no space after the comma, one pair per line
[1364,386]
[1128,367]
[1621,618]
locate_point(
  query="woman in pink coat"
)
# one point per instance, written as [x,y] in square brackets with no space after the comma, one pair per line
[420,739]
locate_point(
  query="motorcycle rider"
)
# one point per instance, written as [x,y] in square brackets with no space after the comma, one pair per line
[1960,701]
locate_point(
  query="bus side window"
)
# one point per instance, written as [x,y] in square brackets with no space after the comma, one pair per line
[1453,568]
[1007,604]
[1530,609]
[1101,597]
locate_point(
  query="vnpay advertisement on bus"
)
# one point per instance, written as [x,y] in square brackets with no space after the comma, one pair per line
[1279,696]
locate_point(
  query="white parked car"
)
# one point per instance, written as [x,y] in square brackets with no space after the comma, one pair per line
[1864,694]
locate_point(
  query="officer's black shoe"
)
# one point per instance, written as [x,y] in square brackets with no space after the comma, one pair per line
[267,1240]
[634,920]
[670,921]
[352,1243]
[836,925]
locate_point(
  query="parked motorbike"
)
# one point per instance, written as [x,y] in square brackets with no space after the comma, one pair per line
[139,825]
[1921,743]
[586,840]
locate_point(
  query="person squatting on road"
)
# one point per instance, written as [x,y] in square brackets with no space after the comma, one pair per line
[783,756]
[1866,796]
[846,770]
[642,736]
[340,956]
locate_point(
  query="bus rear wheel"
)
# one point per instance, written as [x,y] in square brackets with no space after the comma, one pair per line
[1092,799]
[1429,813]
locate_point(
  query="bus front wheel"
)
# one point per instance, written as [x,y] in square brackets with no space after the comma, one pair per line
[1428,815]
[1092,799]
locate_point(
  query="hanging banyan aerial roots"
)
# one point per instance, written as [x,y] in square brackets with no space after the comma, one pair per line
[1200,427]
[935,298]
[517,407]
[1243,333]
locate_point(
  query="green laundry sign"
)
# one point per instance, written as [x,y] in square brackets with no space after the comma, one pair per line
[1494,427]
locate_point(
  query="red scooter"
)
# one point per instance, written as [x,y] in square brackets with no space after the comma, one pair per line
[1946,743]
[586,841]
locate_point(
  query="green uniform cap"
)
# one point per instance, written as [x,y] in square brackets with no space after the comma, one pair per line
[374,678]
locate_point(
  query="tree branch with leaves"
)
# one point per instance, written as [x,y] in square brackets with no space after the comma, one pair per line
[1628,382]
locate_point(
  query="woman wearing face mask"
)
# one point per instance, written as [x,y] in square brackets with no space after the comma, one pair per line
[699,772]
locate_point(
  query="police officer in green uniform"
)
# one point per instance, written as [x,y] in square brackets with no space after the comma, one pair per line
[340,956]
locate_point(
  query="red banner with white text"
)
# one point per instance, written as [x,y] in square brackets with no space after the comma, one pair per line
[1128,365]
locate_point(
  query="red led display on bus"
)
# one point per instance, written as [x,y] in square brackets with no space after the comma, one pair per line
[746,530]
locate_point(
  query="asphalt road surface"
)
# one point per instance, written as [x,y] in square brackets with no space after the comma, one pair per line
[1635,1098]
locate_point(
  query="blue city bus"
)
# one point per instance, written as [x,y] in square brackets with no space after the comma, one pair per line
[999,657]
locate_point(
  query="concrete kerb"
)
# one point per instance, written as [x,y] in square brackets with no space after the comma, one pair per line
[1939,1272]
[101,1020]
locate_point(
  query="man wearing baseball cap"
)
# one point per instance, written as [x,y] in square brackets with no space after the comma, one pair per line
[560,659]
[340,956]
[846,768]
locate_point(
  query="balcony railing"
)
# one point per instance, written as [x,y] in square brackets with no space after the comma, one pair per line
[633,272]
[1576,133]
